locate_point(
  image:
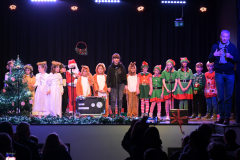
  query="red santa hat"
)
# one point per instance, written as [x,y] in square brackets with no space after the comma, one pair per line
[72,63]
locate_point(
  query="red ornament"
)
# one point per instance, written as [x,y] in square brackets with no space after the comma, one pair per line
[22,103]
[13,79]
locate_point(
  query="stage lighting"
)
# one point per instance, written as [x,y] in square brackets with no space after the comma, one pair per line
[13,7]
[140,8]
[203,9]
[174,2]
[43,0]
[107,1]
[74,8]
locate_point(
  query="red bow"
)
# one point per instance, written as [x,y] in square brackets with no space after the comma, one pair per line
[144,63]
[178,119]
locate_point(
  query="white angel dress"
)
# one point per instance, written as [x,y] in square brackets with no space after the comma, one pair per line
[40,99]
[54,99]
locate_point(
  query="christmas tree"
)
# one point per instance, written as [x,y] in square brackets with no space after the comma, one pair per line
[15,95]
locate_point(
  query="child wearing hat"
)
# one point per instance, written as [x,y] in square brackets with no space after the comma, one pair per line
[84,82]
[157,94]
[210,92]
[131,95]
[144,88]
[199,81]
[30,79]
[65,89]
[184,88]
[169,79]
[100,85]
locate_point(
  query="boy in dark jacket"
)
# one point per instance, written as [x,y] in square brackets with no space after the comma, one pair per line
[116,68]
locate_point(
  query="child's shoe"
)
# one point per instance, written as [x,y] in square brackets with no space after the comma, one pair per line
[214,117]
[199,117]
[193,116]
[208,116]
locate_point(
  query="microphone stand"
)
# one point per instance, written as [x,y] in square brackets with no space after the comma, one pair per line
[72,89]
[18,69]
[171,87]
[116,74]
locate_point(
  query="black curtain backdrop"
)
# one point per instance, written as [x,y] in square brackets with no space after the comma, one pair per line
[50,31]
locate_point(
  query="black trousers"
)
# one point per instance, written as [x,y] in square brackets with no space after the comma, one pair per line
[198,100]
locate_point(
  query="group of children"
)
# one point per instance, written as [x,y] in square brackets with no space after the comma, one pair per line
[58,90]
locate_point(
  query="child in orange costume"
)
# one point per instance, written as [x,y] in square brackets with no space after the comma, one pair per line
[100,85]
[84,82]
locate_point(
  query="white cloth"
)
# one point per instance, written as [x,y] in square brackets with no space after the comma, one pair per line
[85,86]
[40,99]
[101,80]
[54,99]
[132,83]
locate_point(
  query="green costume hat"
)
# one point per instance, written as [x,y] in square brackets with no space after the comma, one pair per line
[171,61]
[184,59]
[159,67]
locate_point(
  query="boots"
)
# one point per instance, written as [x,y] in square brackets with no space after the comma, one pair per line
[220,121]
[193,116]
[214,116]
[199,116]
[208,116]
[227,121]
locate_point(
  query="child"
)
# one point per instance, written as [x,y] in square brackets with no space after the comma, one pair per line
[144,88]
[55,90]
[100,85]
[65,89]
[9,67]
[184,89]
[30,79]
[157,94]
[210,91]
[84,83]
[169,79]
[116,68]
[40,104]
[131,96]
[198,93]
[72,76]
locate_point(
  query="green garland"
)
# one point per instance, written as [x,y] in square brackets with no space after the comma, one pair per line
[65,120]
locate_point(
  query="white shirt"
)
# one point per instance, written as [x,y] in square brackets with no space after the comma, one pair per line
[132,83]
[101,83]
[85,86]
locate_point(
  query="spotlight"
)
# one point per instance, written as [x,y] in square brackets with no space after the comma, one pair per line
[107,1]
[74,8]
[43,0]
[140,8]
[203,9]
[174,2]
[13,7]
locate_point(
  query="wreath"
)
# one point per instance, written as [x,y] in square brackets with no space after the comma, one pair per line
[81,51]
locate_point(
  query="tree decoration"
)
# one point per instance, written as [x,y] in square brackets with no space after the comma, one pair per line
[9,95]
[81,51]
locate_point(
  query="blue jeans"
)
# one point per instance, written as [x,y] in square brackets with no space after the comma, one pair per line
[225,85]
[211,104]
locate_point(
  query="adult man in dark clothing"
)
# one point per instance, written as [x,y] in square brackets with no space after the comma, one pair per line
[23,133]
[224,54]
[116,68]
[22,152]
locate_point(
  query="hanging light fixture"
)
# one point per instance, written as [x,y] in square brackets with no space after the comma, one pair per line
[13,7]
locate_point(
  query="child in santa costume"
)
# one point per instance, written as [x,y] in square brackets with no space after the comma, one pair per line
[131,95]
[169,79]
[9,67]
[65,89]
[30,79]
[157,94]
[40,105]
[72,76]
[100,85]
[144,88]
[55,90]
[84,83]
[184,88]
[210,92]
